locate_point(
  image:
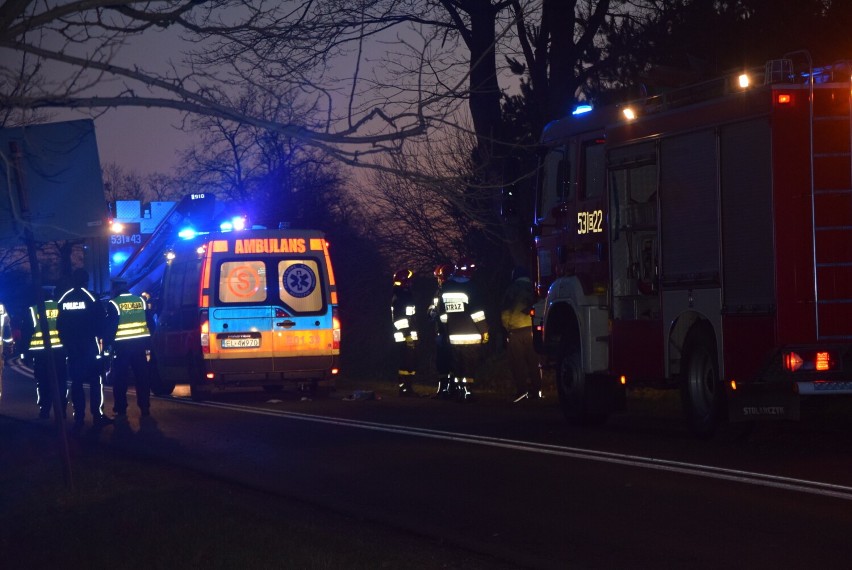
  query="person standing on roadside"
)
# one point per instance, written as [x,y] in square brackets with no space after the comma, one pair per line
[443,356]
[41,356]
[130,338]
[517,320]
[80,322]
[6,339]
[467,330]
[403,315]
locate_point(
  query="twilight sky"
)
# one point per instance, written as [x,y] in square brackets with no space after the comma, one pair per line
[142,140]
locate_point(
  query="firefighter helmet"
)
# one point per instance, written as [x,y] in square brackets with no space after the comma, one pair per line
[402,278]
[443,272]
[465,267]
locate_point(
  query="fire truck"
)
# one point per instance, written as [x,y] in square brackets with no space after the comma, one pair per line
[702,240]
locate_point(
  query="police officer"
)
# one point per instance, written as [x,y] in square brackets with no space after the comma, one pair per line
[403,313]
[129,337]
[80,321]
[467,329]
[443,357]
[518,300]
[41,360]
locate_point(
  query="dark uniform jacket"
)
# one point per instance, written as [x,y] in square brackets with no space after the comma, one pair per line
[461,310]
[80,322]
[403,314]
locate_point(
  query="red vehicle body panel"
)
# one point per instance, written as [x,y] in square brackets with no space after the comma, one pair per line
[807,237]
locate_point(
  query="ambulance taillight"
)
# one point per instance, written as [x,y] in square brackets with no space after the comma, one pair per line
[335,330]
[205,331]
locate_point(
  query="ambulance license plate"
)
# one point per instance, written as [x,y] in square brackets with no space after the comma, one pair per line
[454,307]
[240,342]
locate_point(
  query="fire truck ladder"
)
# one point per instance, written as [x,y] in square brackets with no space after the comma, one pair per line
[831,198]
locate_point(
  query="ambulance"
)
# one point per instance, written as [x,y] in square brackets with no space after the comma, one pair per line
[251,308]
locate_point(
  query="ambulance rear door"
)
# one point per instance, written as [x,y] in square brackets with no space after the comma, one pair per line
[306,328]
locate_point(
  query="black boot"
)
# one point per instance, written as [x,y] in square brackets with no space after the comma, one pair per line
[443,392]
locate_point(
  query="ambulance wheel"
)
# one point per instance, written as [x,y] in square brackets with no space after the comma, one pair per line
[572,386]
[198,393]
[197,390]
[702,393]
[158,386]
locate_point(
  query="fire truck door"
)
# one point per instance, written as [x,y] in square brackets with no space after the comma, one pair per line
[634,250]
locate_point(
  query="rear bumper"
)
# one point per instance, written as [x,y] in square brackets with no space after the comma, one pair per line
[779,400]
[271,371]
[762,401]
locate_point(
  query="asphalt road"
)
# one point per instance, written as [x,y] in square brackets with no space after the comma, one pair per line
[517,482]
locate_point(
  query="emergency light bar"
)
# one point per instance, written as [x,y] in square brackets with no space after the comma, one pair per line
[187,233]
[237,223]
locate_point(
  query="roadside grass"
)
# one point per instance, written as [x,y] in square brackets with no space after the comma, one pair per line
[126,513]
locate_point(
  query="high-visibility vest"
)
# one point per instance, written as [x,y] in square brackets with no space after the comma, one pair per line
[132,321]
[37,340]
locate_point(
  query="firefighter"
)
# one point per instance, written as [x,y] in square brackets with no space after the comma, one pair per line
[467,329]
[129,340]
[41,356]
[403,313]
[517,320]
[80,322]
[443,357]
[6,340]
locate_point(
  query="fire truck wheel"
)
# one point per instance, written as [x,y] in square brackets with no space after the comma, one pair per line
[571,384]
[701,390]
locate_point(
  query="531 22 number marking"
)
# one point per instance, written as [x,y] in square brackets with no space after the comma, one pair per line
[590,222]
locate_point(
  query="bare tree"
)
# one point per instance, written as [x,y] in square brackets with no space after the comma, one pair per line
[419,223]
[69,56]
[273,177]
[372,79]
[122,184]
[376,73]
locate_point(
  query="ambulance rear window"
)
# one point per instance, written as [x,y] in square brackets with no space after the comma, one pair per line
[299,285]
[242,281]
[294,283]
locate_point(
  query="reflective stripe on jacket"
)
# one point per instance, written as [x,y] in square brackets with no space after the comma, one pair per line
[37,340]
[131,311]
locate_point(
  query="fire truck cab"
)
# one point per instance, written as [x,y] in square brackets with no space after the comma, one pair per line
[702,240]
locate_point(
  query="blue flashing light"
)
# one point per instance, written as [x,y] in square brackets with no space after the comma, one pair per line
[582,109]
[237,223]
[187,233]
[119,257]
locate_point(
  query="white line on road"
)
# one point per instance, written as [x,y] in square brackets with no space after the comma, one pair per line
[708,471]
[698,470]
